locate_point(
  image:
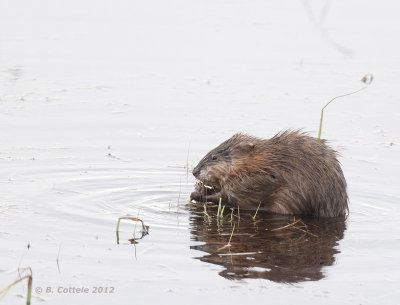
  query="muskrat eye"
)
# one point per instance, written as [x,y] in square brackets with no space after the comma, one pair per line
[214,157]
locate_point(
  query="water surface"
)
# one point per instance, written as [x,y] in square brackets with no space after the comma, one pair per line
[106,107]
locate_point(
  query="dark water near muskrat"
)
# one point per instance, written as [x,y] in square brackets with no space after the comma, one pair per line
[283,249]
[106,107]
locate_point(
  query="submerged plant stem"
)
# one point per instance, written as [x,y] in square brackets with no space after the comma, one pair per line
[288,225]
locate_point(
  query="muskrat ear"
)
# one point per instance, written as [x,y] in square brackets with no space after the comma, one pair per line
[246,146]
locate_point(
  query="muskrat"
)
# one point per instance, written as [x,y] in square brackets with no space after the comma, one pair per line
[290,173]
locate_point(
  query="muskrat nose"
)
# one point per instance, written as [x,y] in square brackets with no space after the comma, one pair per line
[196,172]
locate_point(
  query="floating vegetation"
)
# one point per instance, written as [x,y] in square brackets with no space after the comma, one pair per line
[217,211]
[287,226]
[145,229]
[304,227]
[24,273]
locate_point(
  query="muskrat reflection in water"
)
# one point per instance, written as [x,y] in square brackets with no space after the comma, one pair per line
[291,173]
[257,250]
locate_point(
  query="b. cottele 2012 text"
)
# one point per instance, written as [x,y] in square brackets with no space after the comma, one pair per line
[81,290]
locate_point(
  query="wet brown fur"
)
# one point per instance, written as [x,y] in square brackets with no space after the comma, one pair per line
[291,173]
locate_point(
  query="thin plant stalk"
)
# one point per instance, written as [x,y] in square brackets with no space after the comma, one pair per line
[229,241]
[187,163]
[230,238]
[233,209]
[222,211]
[305,231]
[30,280]
[134,228]
[179,196]
[144,228]
[29,294]
[288,225]
[57,260]
[255,214]
[336,97]
[219,207]
[205,212]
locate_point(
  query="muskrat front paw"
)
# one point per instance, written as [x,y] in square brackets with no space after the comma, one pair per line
[199,197]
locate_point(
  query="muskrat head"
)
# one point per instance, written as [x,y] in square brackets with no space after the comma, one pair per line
[219,163]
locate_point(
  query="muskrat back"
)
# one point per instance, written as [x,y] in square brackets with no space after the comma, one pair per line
[291,173]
